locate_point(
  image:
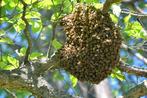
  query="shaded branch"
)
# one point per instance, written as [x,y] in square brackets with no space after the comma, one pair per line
[0,8]
[137,91]
[132,70]
[26,32]
[108,4]
[38,86]
[10,80]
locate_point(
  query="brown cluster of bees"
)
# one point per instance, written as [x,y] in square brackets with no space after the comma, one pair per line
[92,44]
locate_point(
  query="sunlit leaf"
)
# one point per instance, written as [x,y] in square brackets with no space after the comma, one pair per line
[2,32]
[9,63]
[127,18]
[13,61]
[135,30]
[33,14]
[117,74]
[98,5]
[46,4]
[22,51]
[55,16]
[35,55]
[19,26]
[12,3]
[6,40]
[29,1]
[36,26]
[56,44]
[89,1]
[74,80]
[3,3]
[114,18]
[5,66]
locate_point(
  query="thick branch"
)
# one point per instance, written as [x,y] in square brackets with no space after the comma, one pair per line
[132,70]
[137,91]
[108,4]
[40,88]
[10,80]
[26,32]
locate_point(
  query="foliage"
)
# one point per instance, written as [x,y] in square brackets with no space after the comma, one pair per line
[43,18]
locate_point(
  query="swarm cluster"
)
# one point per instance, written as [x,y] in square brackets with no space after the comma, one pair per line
[92,45]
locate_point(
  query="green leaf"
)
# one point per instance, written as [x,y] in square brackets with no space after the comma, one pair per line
[57,76]
[2,32]
[29,1]
[36,26]
[20,25]
[117,74]
[55,16]
[12,3]
[45,4]
[5,66]
[3,3]
[2,64]
[9,63]
[35,55]
[127,18]
[22,51]
[114,18]
[135,30]
[13,61]
[56,44]
[33,14]
[90,1]
[6,40]
[98,5]
[74,80]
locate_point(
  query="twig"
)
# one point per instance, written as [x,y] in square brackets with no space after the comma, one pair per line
[136,5]
[132,70]
[54,25]
[138,55]
[1,53]
[0,8]
[133,13]
[27,33]
[10,93]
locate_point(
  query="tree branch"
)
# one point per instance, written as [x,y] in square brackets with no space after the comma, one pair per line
[10,80]
[137,91]
[16,79]
[26,32]
[138,55]
[38,86]
[133,13]
[108,4]
[132,70]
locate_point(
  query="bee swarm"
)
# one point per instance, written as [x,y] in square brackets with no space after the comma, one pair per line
[92,45]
